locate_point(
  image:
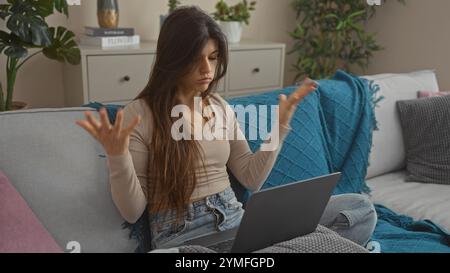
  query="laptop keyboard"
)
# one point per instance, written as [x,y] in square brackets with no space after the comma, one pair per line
[222,247]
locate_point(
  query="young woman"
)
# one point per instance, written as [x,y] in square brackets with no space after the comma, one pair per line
[184,183]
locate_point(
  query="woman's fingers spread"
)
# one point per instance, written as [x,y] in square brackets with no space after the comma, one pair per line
[133,124]
[302,92]
[294,98]
[92,120]
[88,127]
[105,120]
[118,123]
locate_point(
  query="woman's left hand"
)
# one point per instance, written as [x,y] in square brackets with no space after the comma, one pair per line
[287,106]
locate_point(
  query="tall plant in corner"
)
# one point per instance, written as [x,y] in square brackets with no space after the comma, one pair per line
[330,35]
[25,20]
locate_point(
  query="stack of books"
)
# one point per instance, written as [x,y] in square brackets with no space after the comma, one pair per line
[109,37]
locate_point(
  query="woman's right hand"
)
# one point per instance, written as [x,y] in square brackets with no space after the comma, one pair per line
[113,138]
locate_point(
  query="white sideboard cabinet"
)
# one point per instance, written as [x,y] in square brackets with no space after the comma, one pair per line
[118,75]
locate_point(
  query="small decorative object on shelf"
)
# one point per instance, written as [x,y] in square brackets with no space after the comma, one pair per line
[108,13]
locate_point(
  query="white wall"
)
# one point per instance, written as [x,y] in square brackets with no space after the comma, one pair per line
[415,36]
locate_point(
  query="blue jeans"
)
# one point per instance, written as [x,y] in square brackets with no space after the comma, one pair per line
[351,215]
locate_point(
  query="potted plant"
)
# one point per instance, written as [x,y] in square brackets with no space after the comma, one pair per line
[330,35]
[25,21]
[231,18]
[173,5]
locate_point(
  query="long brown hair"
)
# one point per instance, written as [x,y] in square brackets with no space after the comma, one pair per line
[184,34]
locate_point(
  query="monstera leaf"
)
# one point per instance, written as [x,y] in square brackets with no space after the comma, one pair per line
[26,22]
[45,7]
[63,47]
[12,45]
[4,11]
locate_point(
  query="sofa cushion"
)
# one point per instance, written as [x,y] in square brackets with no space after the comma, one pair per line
[388,153]
[418,200]
[20,230]
[426,133]
[61,172]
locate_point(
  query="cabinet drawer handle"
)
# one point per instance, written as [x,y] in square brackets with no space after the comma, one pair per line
[126,78]
[256,70]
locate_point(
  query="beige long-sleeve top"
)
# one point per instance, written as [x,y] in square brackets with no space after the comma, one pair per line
[129,172]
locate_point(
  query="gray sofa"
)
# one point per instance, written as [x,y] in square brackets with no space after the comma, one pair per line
[62,174]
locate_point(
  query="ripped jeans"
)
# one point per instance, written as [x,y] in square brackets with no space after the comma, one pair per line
[352,216]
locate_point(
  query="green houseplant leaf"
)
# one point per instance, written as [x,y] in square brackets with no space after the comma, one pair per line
[173,5]
[11,45]
[4,11]
[63,47]
[62,7]
[239,12]
[45,7]
[26,22]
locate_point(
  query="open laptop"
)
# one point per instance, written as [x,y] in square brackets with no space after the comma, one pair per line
[275,215]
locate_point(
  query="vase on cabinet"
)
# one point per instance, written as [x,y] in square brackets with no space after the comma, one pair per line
[108,13]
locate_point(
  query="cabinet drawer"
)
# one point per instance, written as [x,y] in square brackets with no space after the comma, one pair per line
[118,77]
[255,69]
